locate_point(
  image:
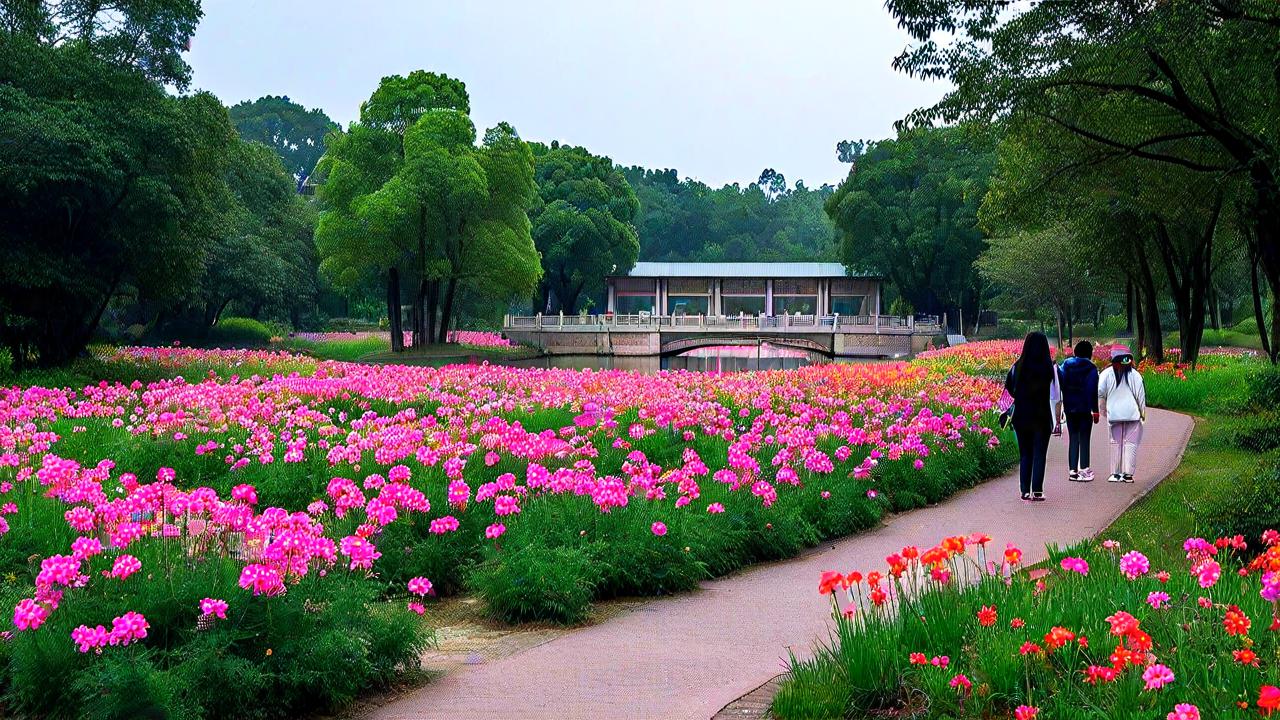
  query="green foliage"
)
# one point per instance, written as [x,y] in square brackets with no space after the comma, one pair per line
[1252,506]
[239,332]
[908,209]
[296,134]
[105,181]
[583,223]
[686,220]
[536,582]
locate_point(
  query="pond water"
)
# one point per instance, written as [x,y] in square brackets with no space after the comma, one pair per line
[724,358]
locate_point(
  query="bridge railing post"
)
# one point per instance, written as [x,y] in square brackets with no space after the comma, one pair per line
[537,320]
[835,322]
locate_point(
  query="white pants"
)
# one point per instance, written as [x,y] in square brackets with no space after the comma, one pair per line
[1125,438]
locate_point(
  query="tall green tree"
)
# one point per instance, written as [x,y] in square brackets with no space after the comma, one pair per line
[407,192]
[294,132]
[105,180]
[147,36]
[583,224]
[1189,86]
[908,210]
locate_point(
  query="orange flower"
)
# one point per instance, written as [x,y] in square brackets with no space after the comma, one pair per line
[1236,622]
[1057,637]
[1012,555]
[1245,656]
[873,578]
[911,552]
[953,545]
[987,616]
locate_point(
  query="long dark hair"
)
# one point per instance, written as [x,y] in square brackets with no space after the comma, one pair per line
[1035,365]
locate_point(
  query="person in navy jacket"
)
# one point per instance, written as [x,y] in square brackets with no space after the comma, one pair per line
[1080,404]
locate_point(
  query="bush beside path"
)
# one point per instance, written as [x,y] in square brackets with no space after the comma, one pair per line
[689,656]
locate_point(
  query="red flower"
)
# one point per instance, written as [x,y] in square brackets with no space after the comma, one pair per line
[829,582]
[1269,698]
[987,616]
[917,658]
[1095,674]
[1029,647]
[1236,622]
[1245,656]
[1057,637]
[1017,623]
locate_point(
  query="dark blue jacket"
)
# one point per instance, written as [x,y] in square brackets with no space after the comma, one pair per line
[1079,385]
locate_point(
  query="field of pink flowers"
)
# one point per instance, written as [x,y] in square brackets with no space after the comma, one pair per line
[279,524]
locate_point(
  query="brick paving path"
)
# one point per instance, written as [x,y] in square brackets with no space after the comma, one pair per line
[691,655]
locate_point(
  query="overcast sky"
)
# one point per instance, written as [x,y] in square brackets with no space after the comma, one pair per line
[718,89]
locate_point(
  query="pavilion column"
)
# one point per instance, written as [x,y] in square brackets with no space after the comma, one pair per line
[716,309]
[768,297]
[613,302]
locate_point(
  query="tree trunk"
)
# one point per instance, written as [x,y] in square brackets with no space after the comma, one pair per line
[446,310]
[1258,316]
[393,310]
[1128,306]
[1150,302]
[433,305]
[1140,339]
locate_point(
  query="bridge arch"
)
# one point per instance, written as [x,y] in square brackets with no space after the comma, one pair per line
[684,344]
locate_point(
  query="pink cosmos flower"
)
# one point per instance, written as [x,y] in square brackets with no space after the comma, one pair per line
[124,566]
[29,615]
[1075,564]
[1157,676]
[87,638]
[214,606]
[1134,564]
[1208,573]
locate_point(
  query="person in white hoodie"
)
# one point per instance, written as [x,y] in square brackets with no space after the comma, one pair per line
[1124,404]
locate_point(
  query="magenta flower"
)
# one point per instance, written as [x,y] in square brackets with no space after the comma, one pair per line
[29,615]
[419,586]
[1184,711]
[659,529]
[214,606]
[124,566]
[715,508]
[1208,573]
[1075,564]
[1157,676]
[495,531]
[1134,564]
[1157,600]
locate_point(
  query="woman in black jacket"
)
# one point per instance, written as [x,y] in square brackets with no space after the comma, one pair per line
[1037,407]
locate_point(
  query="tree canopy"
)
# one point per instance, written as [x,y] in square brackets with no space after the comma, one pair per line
[582,223]
[295,133]
[908,210]
[687,220]
[406,191]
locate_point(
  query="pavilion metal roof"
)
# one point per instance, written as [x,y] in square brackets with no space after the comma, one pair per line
[743,270]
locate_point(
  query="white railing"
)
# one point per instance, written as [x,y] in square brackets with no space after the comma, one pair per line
[742,321]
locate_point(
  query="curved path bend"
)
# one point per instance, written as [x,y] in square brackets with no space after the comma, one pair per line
[687,656]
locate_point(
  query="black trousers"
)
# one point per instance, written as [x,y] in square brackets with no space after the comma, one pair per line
[1033,447]
[1079,431]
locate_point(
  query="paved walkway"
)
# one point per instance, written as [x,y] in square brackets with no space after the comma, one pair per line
[689,655]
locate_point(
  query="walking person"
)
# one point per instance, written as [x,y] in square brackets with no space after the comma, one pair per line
[1037,407]
[1080,405]
[1124,402]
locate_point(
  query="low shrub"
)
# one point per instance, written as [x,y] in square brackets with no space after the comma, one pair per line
[239,331]
[1252,506]
[536,582]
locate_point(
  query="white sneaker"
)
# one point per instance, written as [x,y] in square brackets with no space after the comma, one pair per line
[1086,475]
[1115,477]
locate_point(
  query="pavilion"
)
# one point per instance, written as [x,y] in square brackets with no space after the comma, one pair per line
[743,288]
